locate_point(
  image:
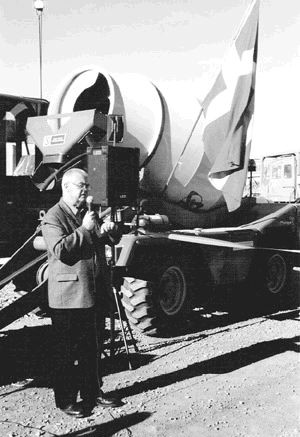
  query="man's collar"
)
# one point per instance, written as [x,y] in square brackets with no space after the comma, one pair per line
[73,211]
[73,208]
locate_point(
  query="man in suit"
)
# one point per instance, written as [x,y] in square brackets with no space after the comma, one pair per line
[77,285]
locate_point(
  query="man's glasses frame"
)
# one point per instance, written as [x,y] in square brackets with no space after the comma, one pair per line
[81,185]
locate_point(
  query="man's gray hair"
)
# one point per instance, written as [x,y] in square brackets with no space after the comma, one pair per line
[68,175]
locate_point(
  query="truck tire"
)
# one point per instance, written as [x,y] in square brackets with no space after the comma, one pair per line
[276,278]
[42,274]
[138,304]
[156,306]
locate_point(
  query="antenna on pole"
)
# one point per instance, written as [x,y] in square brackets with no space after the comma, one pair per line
[39,7]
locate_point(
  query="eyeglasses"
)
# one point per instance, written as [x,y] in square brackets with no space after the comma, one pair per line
[81,185]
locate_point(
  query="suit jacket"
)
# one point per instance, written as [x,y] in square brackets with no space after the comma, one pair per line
[76,259]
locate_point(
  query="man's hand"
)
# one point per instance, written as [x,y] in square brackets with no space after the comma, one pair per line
[89,220]
[109,228]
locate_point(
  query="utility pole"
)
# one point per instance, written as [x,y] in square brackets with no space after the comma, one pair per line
[39,6]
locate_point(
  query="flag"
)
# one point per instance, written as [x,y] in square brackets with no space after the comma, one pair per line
[228,109]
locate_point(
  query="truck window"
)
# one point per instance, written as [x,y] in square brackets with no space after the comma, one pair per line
[287,171]
[276,172]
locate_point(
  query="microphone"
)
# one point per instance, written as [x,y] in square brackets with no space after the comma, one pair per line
[89,203]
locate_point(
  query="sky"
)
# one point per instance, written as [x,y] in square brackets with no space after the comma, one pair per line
[178,41]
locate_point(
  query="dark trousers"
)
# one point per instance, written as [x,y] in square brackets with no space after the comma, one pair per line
[75,356]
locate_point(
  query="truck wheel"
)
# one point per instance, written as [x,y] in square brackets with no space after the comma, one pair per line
[173,295]
[276,276]
[43,309]
[158,305]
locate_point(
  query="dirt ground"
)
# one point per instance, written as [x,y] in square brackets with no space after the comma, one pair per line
[231,371]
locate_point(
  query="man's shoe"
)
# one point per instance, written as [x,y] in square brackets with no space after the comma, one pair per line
[74,410]
[107,401]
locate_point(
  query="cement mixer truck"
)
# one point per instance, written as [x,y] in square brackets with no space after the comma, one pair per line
[171,171]
[148,169]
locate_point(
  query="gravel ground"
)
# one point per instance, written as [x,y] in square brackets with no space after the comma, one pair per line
[220,375]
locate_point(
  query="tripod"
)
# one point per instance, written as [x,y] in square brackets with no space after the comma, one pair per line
[120,309]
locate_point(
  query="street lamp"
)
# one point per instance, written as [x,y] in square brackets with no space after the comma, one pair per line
[39,6]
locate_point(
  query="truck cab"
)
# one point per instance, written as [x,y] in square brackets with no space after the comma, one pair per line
[280,177]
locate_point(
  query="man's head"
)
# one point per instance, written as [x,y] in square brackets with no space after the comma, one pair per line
[74,187]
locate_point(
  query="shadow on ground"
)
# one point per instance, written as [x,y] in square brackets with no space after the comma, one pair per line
[110,428]
[218,365]
[27,352]
[235,304]
[107,429]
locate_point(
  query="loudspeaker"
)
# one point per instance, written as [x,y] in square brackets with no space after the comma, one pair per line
[113,175]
